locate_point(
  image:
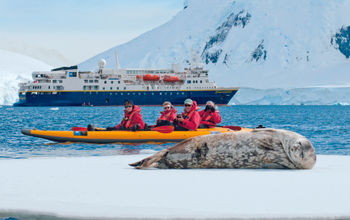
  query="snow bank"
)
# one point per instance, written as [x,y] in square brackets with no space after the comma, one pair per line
[329,95]
[15,68]
[108,187]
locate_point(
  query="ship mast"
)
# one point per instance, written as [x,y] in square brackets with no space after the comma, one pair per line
[117,65]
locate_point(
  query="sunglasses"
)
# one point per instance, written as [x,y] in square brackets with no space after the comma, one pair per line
[187,105]
[128,106]
[167,107]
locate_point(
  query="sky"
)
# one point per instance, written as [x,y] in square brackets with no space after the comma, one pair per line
[71,31]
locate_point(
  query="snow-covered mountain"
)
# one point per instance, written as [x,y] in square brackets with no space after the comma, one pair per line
[15,68]
[249,43]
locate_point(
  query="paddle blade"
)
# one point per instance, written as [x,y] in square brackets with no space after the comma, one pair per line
[163,129]
[79,129]
[235,128]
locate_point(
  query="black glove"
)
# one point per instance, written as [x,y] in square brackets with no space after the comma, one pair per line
[111,128]
[135,127]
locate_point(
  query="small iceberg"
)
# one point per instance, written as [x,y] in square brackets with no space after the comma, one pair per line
[55,108]
[341,103]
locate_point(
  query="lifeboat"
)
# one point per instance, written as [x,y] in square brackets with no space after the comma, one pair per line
[170,78]
[149,77]
[138,77]
[124,136]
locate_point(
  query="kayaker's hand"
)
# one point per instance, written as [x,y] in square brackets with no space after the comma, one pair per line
[135,127]
[180,119]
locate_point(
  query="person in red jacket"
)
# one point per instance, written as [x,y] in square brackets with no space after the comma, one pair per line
[167,116]
[132,118]
[189,119]
[210,116]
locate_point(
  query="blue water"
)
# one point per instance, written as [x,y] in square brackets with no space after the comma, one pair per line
[327,127]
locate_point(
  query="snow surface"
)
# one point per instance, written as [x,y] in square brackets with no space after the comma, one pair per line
[296,36]
[328,95]
[16,68]
[108,187]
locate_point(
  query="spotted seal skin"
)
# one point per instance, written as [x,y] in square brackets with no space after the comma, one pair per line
[259,148]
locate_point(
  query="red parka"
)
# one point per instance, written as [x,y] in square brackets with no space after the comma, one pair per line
[168,115]
[192,118]
[132,118]
[210,118]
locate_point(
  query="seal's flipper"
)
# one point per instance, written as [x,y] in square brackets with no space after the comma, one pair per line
[137,164]
[150,162]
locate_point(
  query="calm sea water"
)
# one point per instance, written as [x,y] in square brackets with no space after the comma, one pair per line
[328,127]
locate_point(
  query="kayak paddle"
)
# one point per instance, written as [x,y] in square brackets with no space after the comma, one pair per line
[235,128]
[161,129]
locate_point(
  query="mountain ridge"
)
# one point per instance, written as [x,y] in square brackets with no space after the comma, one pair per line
[262,44]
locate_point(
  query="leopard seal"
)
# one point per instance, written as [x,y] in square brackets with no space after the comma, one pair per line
[259,148]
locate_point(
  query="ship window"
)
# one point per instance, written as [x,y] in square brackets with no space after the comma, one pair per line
[177,93]
[152,93]
[105,82]
[96,87]
[49,87]
[160,93]
[183,93]
[124,88]
[91,81]
[170,93]
[139,93]
[103,88]
[118,82]
[128,93]
[111,93]
[60,81]
[54,81]
[121,94]
[96,81]
[200,81]
[165,93]
[111,88]
[112,82]
[85,81]
[133,93]
[188,81]
[117,88]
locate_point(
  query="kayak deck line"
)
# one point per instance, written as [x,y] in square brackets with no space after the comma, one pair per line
[104,137]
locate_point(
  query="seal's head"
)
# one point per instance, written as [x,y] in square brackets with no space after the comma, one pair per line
[302,153]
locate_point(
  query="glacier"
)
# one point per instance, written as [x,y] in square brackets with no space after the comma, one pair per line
[298,96]
[16,68]
[249,43]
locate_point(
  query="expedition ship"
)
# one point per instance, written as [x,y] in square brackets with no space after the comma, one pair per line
[67,86]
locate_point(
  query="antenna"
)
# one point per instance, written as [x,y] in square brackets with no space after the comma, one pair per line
[195,60]
[117,65]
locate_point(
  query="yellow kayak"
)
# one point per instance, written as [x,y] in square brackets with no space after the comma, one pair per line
[103,137]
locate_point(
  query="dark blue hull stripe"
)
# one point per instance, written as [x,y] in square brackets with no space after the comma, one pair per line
[105,98]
